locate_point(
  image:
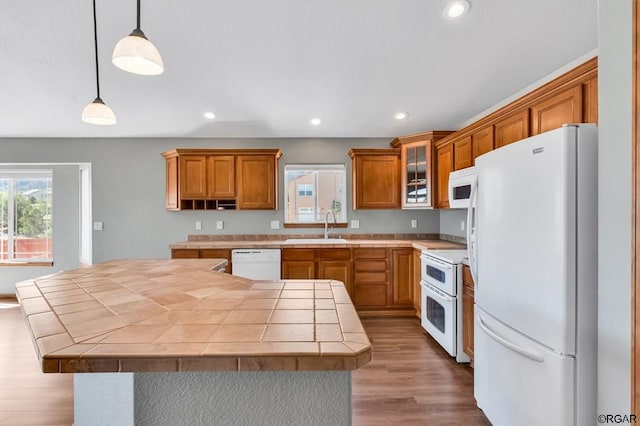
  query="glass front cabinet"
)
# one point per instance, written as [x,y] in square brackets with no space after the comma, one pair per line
[418,172]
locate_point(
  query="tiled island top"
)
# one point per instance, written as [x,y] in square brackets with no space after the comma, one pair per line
[180,315]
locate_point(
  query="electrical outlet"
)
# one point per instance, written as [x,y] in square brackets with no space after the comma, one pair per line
[198,225]
[355,223]
[414,223]
[98,226]
[219,224]
[462,225]
[275,224]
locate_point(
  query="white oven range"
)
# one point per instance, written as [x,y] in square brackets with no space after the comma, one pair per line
[441,285]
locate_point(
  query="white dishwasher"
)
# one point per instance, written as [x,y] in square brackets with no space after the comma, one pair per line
[256,264]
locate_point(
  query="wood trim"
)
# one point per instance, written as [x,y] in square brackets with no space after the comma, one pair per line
[635,212]
[17,263]
[374,151]
[577,76]
[433,135]
[200,151]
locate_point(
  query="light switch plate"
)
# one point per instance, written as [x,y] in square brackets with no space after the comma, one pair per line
[462,225]
[98,226]
[219,224]
[275,224]
[414,223]
[198,225]
[355,223]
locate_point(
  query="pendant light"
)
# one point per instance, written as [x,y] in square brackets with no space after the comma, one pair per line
[97,112]
[136,54]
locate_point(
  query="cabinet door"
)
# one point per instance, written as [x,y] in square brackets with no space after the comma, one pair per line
[298,269]
[376,182]
[402,276]
[193,177]
[467,311]
[467,320]
[512,129]
[339,270]
[462,153]
[221,176]
[256,182]
[416,174]
[417,290]
[445,166]
[171,187]
[563,108]
[218,254]
[185,253]
[482,142]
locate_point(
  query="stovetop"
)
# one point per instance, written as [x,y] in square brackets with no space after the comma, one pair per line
[450,256]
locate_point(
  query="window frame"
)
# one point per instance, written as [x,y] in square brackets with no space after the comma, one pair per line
[319,213]
[14,175]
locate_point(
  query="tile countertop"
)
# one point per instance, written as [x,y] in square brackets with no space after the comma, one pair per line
[180,315]
[231,244]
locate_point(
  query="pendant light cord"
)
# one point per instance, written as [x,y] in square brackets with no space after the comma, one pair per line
[138,18]
[95,42]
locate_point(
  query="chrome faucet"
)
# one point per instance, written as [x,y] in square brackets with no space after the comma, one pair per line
[326,222]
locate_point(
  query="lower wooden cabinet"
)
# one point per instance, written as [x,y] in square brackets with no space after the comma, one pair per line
[204,254]
[417,289]
[467,311]
[402,276]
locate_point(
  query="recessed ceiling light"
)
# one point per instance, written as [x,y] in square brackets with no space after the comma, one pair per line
[456,8]
[209,115]
[400,115]
[316,121]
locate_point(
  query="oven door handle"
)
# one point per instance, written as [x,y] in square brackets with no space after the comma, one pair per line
[440,295]
[509,344]
[435,262]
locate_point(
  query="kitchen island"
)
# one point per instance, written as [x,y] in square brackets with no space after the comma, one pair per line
[174,342]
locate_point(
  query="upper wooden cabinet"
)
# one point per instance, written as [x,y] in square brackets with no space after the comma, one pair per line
[257,182]
[551,113]
[481,142]
[417,172]
[512,128]
[462,153]
[221,179]
[376,178]
[445,166]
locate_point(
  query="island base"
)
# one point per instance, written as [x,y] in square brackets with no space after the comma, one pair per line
[220,398]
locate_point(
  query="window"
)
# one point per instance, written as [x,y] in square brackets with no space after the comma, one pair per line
[26,216]
[312,190]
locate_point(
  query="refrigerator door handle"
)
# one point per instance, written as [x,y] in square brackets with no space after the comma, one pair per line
[508,344]
[471,230]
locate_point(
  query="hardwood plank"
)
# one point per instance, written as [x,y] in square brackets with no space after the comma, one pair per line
[411,380]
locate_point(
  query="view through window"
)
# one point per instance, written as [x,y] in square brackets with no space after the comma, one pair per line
[312,190]
[26,216]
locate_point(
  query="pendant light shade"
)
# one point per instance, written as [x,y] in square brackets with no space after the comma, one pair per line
[97,112]
[136,54]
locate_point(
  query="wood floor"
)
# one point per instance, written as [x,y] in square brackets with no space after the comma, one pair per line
[411,380]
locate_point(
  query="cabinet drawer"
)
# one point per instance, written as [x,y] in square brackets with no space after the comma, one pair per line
[370,296]
[298,254]
[467,278]
[185,253]
[370,277]
[370,265]
[215,254]
[334,254]
[369,253]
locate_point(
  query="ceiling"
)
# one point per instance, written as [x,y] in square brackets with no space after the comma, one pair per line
[266,67]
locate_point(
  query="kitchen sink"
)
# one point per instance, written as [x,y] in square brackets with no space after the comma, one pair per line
[315,241]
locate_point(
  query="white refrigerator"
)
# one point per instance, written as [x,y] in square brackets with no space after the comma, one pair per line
[533,253]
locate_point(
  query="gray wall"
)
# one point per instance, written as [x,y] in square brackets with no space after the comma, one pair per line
[66,230]
[614,189]
[450,221]
[129,191]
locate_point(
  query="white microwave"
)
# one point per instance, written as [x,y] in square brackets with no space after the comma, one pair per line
[460,183]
